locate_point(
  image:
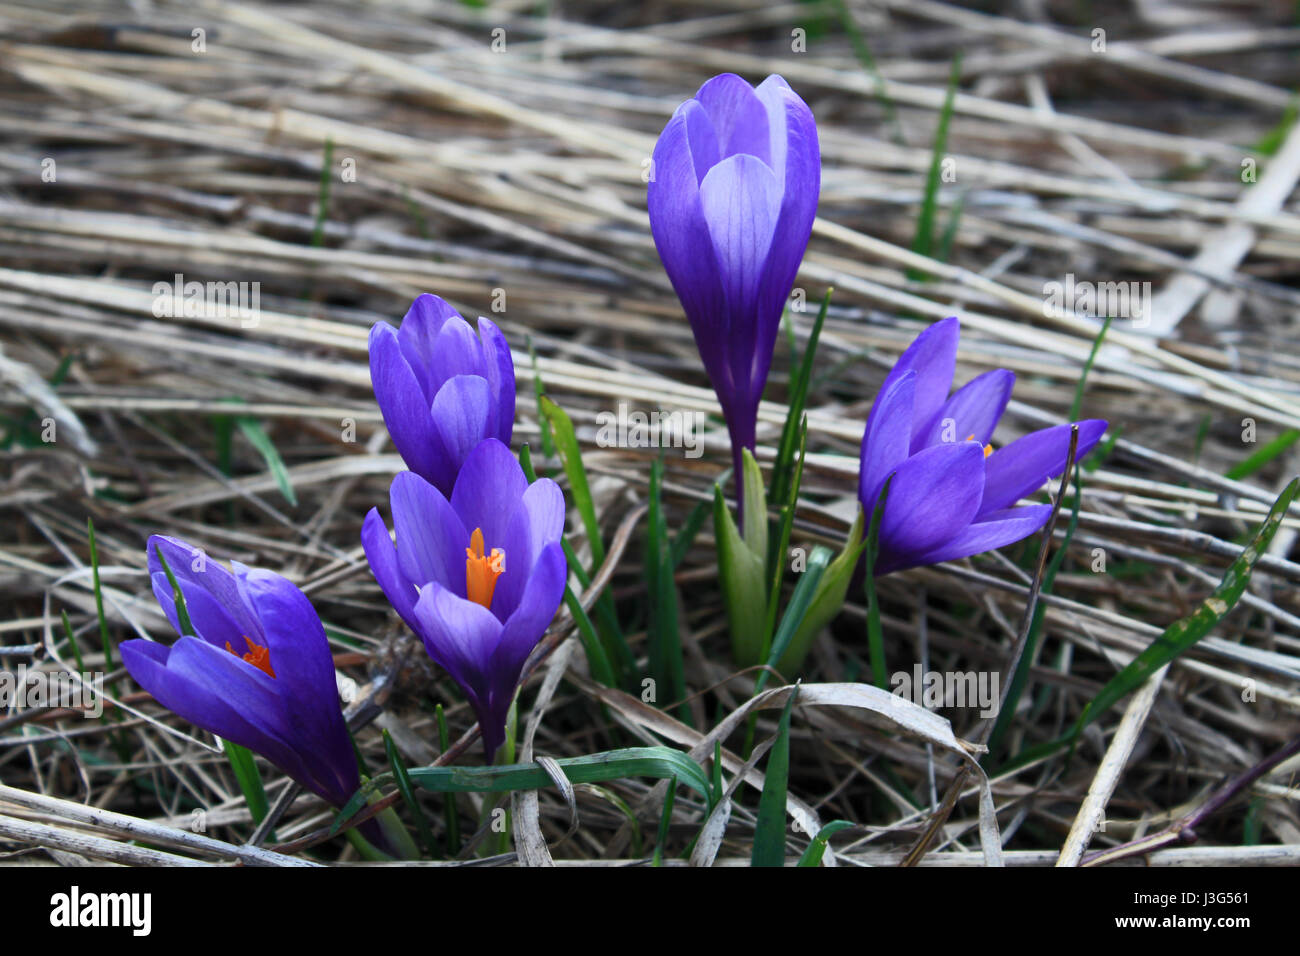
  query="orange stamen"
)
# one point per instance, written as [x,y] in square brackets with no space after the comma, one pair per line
[481,572]
[258,655]
[988,449]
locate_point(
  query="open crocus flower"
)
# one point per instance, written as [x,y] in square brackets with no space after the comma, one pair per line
[478,577]
[732,198]
[256,671]
[442,388]
[952,494]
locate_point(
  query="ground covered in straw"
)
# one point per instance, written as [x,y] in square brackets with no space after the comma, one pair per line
[348,157]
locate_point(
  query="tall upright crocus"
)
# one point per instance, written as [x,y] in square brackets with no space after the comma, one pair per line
[442,388]
[732,197]
[478,577]
[253,667]
[952,494]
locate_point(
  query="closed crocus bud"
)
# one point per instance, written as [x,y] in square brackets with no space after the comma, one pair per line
[953,494]
[441,387]
[732,199]
[252,666]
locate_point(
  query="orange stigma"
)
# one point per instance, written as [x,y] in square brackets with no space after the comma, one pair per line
[481,572]
[988,449]
[258,656]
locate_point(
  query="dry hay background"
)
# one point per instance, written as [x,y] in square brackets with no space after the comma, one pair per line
[482,173]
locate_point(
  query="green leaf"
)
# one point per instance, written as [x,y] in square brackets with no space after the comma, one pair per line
[99,595]
[662,763]
[1266,453]
[178,597]
[250,781]
[260,440]
[743,590]
[797,610]
[776,555]
[664,644]
[923,243]
[755,515]
[1077,405]
[769,828]
[1184,633]
[566,445]
[817,848]
[832,589]
[788,447]
[875,634]
[1177,638]
[403,781]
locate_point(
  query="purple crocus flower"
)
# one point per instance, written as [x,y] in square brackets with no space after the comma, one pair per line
[732,198]
[952,494]
[257,670]
[441,388]
[478,577]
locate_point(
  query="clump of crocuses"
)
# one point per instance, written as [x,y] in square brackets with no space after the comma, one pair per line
[952,493]
[253,666]
[442,388]
[732,198]
[478,577]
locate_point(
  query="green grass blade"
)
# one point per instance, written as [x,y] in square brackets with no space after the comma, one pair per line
[875,634]
[665,821]
[250,781]
[923,243]
[403,781]
[662,763]
[452,818]
[796,610]
[1266,453]
[663,639]
[817,848]
[1077,405]
[260,440]
[182,614]
[769,828]
[1184,633]
[99,595]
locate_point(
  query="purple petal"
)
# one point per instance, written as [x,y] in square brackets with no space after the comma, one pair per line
[210,620]
[998,529]
[681,236]
[935,494]
[418,333]
[796,163]
[217,691]
[487,490]
[196,571]
[885,439]
[406,412]
[973,411]
[457,351]
[537,607]
[739,117]
[741,200]
[705,150]
[304,677]
[463,414]
[1023,466]
[933,356]
[537,522]
[431,540]
[500,371]
[382,557]
[460,636]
